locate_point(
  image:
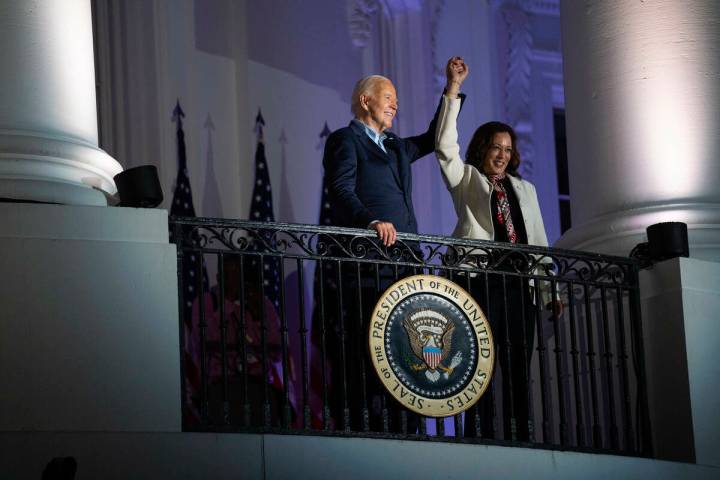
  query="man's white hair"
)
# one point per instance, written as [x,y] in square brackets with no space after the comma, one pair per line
[364,87]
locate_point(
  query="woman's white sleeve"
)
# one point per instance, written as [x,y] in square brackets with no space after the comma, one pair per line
[447,149]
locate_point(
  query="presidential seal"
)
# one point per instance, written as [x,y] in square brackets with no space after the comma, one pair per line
[431,345]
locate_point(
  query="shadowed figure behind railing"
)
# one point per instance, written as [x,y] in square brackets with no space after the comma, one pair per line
[569,378]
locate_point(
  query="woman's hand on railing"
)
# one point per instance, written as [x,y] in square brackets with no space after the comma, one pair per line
[557,307]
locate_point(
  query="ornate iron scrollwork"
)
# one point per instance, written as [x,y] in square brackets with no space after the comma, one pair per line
[319,242]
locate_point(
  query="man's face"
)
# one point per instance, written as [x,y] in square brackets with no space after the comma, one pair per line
[498,155]
[380,105]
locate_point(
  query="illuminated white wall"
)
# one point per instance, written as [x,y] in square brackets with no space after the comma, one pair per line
[642,85]
[48,121]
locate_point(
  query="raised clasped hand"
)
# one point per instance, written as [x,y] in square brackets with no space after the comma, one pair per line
[456,72]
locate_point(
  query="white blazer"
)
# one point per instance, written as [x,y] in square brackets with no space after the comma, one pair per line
[471,190]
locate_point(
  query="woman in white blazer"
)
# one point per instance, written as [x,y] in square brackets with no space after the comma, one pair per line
[493,203]
[491,154]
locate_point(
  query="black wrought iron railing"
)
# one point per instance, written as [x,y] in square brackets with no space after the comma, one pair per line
[274,321]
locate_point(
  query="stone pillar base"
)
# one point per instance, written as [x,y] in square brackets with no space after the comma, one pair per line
[54,170]
[618,233]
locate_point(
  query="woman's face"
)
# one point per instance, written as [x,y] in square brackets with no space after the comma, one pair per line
[498,155]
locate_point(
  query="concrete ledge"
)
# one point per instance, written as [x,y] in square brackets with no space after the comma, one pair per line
[65,222]
[232,456]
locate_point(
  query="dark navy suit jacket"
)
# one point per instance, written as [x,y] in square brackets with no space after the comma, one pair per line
[368,184]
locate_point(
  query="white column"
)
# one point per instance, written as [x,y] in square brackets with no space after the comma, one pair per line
[48,120]
[642,85]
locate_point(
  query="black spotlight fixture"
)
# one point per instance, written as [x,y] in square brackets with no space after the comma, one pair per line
[665,240]
[139,187]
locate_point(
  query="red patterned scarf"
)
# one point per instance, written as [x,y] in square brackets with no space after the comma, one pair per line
[503,211]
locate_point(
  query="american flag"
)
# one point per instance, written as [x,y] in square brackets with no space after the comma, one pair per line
[325,210]
[261,210]
[325,218]
[182,206]
[329,284]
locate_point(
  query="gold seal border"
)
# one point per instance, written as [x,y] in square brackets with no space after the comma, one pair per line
[431,407]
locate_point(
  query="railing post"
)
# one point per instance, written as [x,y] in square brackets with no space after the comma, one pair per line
[645,432]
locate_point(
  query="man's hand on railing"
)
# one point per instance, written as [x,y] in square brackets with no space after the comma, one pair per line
[385,232]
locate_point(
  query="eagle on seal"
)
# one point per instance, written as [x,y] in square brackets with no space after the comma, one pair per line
[430,334]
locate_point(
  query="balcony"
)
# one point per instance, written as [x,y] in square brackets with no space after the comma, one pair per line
[96,344]
[286,352]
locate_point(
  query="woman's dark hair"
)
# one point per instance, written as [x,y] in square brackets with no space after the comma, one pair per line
[481,142]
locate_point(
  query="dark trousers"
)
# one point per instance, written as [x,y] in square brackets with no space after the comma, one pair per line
[507,303]
[358,399]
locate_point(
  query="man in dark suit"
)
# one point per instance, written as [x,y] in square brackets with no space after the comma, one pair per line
[368,169]
[368,173]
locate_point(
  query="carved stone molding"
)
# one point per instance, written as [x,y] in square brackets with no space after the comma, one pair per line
[360,16]
[517,80]
[551,65]
[436,8]
[537,7]
[543,7]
